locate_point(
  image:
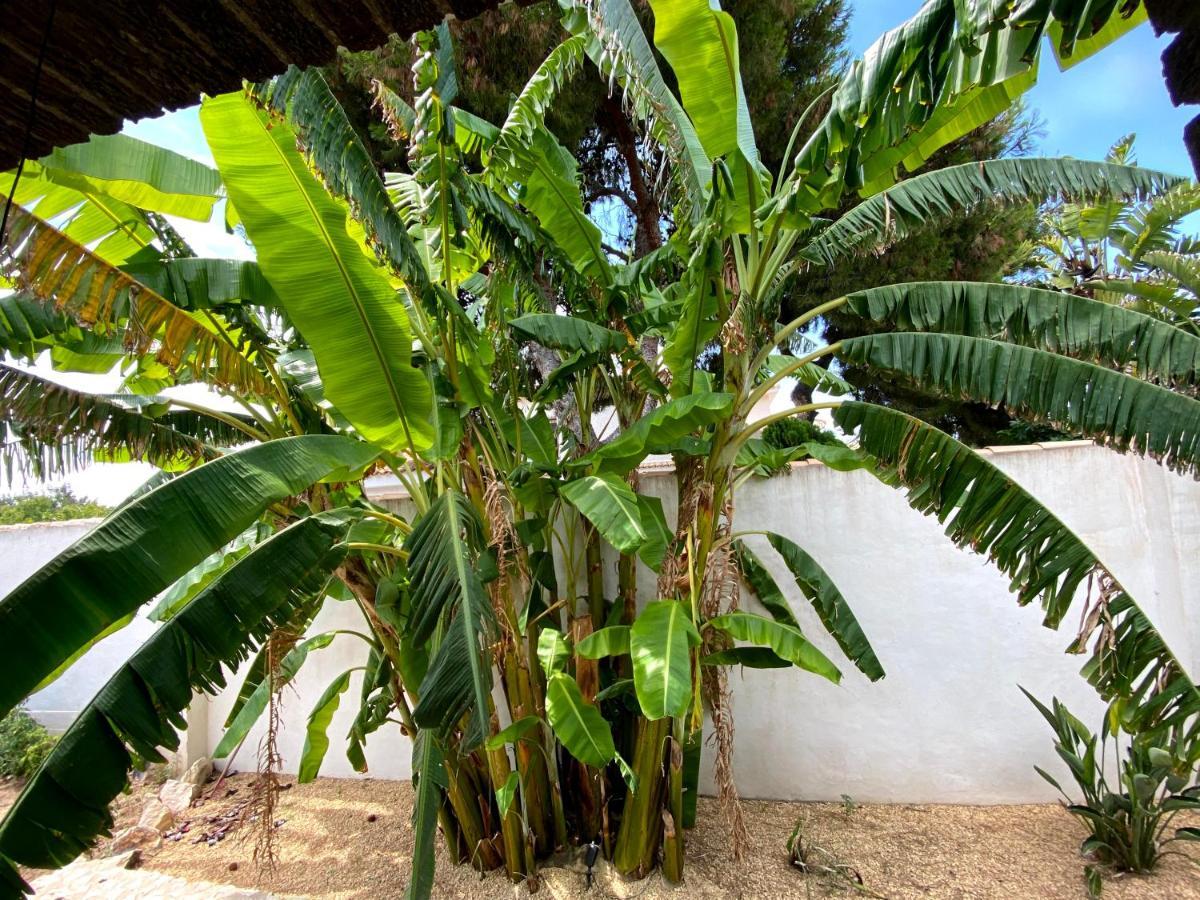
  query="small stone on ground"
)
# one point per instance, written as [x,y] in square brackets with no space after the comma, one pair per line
[177,796]
[156,815]
[137,837]
[199,771]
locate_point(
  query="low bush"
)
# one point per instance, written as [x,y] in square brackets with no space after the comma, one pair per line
[58,505]
[23,744]
[796,431]
[1128,821]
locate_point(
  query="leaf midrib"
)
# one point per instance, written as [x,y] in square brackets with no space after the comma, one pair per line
[672,617]
[577,713]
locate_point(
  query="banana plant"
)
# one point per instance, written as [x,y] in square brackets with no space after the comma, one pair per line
[462,325]
[743,232]
[1134,254]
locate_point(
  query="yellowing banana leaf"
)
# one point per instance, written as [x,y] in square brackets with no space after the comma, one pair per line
[57,270]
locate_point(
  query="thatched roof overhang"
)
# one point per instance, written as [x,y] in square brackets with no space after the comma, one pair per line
[110,60]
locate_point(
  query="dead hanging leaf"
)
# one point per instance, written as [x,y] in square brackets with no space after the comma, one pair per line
[56,270]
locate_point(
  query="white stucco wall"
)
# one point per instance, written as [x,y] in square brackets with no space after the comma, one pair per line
[948,723]
[23,550]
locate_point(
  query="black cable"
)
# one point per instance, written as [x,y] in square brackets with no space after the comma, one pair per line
[33,95]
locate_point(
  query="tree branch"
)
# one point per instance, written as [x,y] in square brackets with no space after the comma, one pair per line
[605,191]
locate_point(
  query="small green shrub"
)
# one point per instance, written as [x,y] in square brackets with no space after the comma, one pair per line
[1128,821]
[58,505]
[23,744]
[793,432]
[1021,432]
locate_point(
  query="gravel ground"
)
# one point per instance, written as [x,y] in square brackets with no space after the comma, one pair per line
[329,847]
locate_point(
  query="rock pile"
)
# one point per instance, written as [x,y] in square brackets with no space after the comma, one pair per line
[162,812]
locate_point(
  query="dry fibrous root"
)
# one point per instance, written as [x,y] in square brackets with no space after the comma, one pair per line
[716,688]
[721,594]
[259,810]
[673,576]
[503,536]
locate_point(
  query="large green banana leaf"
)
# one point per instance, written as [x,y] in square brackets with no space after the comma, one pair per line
[659,431]
[764,586]
[695,327]
[578,724]
[528,112]
[610,641]
[64,807]
[826,598]
[950,121]
[700,42]
[354,321]
[894,213]
[316,739]
[55,428]
[522,152]
[255,694]
[1183,268]
[117,231]
[611,505]
[427,770]
[548,176]
[444,549]
[1106,405]
[617,45]
[194,283]
[200,576]
[346,168]
[568,333]
[658,533]
[986,511]
[143,175]
[660,643]
[999,65]
[28,327]
[896,94]
[785,641]
[1063,323]
[553,651]
[144,546]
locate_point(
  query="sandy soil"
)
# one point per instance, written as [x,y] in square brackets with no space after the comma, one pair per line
[331,847]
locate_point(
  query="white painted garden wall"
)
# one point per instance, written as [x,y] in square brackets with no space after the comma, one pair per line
[23,550]
[948,723]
